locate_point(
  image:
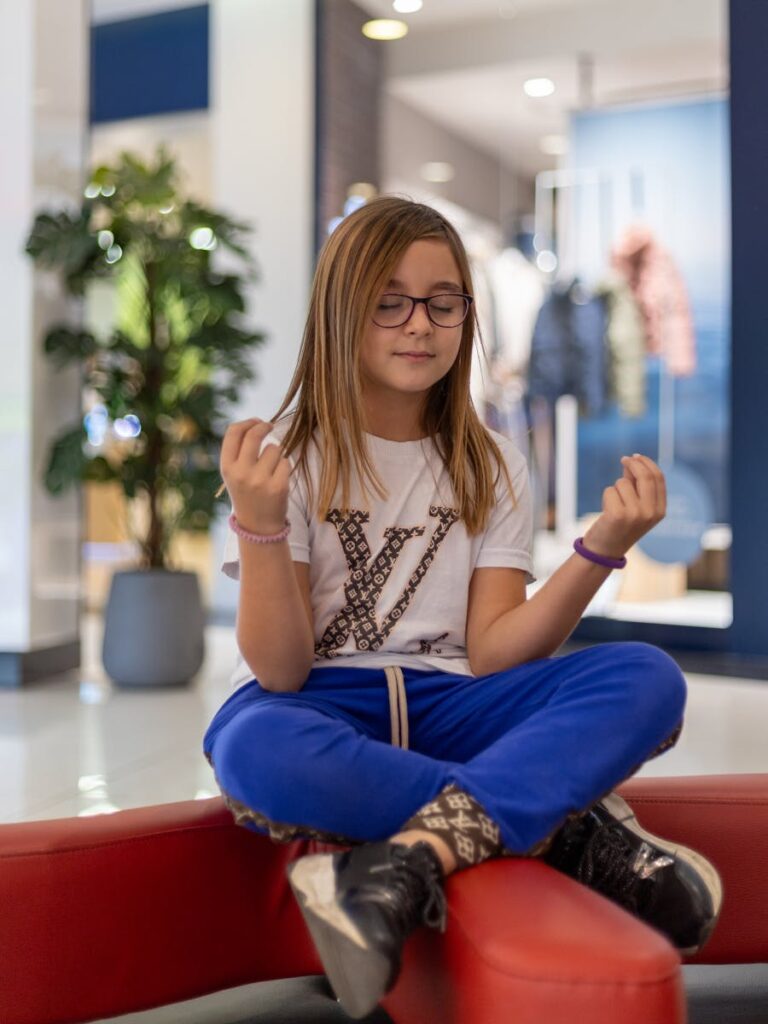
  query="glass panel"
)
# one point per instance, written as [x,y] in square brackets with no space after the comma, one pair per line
[584,158]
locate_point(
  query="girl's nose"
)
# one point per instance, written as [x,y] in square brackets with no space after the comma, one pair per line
[418,320]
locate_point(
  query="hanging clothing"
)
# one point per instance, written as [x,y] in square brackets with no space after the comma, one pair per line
[662,297]
[518,291]
[480,374]
[568,349]
[625,336]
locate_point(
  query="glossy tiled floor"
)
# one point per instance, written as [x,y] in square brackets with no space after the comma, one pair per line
[74,744]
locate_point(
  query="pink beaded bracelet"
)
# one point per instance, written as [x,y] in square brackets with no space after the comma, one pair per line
[258,538]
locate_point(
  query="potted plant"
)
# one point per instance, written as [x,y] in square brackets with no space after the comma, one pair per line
[157,383]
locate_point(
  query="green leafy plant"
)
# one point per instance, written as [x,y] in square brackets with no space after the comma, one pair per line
[175,356]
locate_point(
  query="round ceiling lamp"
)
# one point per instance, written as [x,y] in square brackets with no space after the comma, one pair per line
[385,28]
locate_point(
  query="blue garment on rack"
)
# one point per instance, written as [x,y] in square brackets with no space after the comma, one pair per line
[569,353]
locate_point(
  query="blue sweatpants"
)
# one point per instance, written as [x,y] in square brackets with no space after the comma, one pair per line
[351,758]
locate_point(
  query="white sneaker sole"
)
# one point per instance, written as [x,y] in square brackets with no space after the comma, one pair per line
[357,973]
[620,809]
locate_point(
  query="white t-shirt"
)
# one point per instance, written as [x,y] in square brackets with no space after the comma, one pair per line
[390,587]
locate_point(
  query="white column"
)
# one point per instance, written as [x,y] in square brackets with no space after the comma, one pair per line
[43,111]
[262,130]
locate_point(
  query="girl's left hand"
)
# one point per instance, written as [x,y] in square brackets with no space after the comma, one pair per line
[631,507]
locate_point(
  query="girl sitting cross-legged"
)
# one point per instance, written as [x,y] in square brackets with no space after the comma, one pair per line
[395,691]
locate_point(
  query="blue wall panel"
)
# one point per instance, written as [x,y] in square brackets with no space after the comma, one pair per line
[151,65]
[749,362]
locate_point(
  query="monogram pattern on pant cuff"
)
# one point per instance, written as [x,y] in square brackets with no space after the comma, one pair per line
[281,832]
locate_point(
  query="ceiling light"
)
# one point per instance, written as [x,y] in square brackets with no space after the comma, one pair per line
[539,87]
[385,28]
[362,188]
[437,171]
[554,145]
[407,6]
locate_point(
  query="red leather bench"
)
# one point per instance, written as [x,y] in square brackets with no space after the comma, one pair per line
[105,915]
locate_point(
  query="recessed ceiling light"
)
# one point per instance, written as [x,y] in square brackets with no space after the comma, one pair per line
[407,6]
[554,145]
[362,188]
[539,87]
[437,171]
[385,28]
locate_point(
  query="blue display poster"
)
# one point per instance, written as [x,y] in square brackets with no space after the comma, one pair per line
[677,538]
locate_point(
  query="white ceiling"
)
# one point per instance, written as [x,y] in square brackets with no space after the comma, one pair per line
[444,12]
[434,12]
[487,105]
[464,62]
[117,10]
[463,65]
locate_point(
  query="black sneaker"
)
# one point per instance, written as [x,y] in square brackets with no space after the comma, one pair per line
[668,886]
[360,906]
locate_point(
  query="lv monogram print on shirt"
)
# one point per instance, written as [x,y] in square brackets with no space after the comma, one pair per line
[426,645]
[366,581]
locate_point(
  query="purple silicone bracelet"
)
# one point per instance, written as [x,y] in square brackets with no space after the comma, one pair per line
[592,556]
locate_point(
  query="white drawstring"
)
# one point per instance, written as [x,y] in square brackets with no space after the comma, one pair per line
[398,706]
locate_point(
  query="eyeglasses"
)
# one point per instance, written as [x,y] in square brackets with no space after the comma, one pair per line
[449,310]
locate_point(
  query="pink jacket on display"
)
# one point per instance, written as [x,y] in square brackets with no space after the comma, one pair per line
[661,295]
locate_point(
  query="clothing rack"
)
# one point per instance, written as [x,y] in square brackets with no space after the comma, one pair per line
[556,230]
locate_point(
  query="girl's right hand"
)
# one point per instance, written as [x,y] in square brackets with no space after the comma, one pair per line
[257,481]
[632,507]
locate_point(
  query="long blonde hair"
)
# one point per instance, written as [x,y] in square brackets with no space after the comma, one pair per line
[353,266]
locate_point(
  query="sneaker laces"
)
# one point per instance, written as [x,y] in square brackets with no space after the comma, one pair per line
[421,889]
[607,866]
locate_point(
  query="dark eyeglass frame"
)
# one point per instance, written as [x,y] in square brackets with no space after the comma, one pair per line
[426,300]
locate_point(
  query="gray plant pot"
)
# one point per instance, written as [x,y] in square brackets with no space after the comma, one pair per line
[153,628]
